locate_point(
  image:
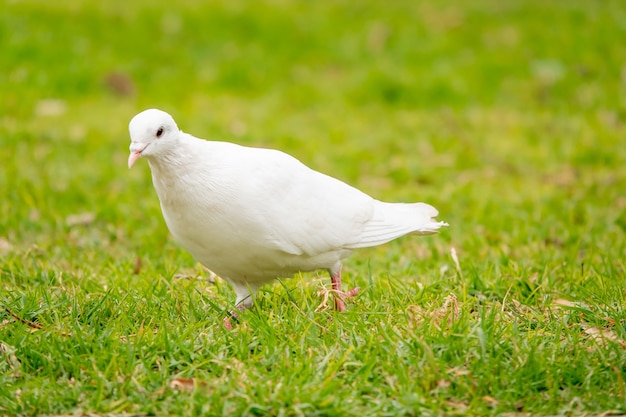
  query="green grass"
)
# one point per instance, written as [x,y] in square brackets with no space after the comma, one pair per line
[507,116]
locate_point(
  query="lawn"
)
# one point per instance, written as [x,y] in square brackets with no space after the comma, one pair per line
[508,116]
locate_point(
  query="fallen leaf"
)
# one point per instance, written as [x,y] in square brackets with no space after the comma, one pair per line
[457,405]
[443,383]
[564,303]
[82,219]
[184,276]
[120,84]
[602,335]
[5,246]
[489,399]
[50,107]
[457,372]
[186,384]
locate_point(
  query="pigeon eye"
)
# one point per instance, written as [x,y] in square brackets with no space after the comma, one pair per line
[159,132]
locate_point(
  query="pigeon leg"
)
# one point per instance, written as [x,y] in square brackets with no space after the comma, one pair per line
[232,317]
[244,300]
[340,296]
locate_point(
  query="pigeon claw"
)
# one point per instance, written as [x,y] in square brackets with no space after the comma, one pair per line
[340,298]
[231,319]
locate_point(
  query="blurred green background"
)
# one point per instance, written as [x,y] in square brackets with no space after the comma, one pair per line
[508,116]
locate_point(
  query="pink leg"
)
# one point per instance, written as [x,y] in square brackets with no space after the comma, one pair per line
[232,316]
[335,279]
[227,320]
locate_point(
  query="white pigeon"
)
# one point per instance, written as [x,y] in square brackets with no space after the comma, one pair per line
[251,215]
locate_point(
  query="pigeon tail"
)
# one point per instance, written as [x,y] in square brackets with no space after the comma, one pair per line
[392,220]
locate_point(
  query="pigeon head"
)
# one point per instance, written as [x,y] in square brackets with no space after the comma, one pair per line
[151,132]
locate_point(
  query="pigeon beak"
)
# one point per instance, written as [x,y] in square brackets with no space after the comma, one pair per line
[135,152]
[132,158]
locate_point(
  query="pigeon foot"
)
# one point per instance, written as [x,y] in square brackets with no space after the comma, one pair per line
[232,317]
[341,296]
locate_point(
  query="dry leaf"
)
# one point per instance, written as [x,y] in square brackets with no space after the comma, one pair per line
[186,384]
[489,399]
[602,335]
[50,107]
[5,246]
[443,383]
[120,84]
[457,372]
[5,322]
[564,303]
[82,219]
[183,276]
[458,405]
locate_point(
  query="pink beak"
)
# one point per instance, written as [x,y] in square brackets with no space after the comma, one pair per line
[136,149]
[133,157]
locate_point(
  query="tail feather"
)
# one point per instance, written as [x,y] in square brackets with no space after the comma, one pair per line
[392,220]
